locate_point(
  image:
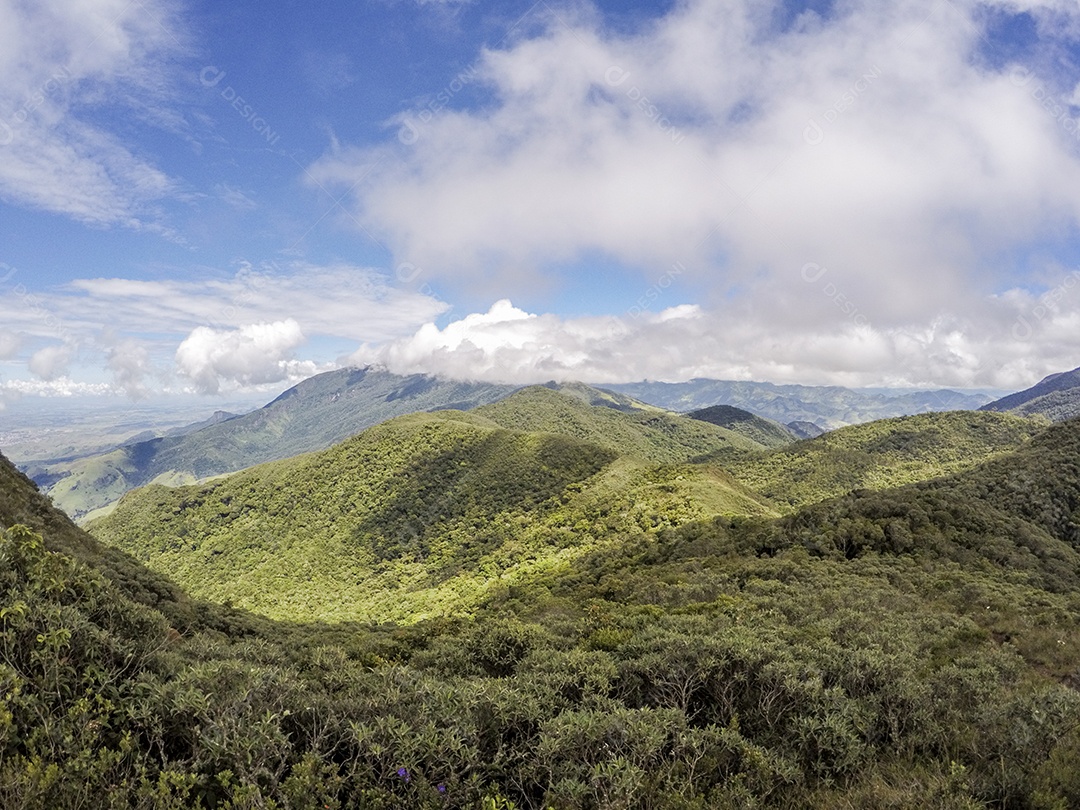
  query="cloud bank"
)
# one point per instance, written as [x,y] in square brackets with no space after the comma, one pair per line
[851,191]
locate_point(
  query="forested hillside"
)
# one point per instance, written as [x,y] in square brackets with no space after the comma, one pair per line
[535,620]
[417,517]
[878,455]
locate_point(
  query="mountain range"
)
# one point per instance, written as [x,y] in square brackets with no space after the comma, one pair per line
[412,515]
[330,407]
[827,407]
[312,415]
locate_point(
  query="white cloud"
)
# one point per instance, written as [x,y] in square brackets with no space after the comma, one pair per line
[61,387]
[9,344]
[129,361]
[252,355]
[143,322]
[681,342]
[51,362]
[342,300]
[62,62]
[870,143]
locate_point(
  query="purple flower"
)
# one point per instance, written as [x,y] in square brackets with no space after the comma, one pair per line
[441,788]
[403,773]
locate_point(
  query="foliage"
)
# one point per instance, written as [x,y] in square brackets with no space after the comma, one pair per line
[879,455]
[764,431]
[909,647]
[642,432]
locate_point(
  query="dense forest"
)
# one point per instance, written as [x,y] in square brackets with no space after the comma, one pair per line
[614,630]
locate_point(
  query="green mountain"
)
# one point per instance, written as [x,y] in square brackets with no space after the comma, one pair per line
[911,647]
[764,431]
[879,455]
[826,406]
[421,515]
[1057,398]
[617,422]
[312,415]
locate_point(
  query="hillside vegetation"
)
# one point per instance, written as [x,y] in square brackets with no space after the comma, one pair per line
[902,648]
[879,455]
[417,517]
[764,431]
[634,429]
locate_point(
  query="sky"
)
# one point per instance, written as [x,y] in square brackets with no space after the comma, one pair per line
[219,199]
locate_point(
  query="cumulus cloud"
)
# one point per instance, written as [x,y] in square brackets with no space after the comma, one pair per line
[251,355]
[129,362]
[51,362]
[876,143]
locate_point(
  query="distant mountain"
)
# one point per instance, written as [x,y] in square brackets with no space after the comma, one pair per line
[827,406]
[614,421]
[312,415]
[877,455]
[1057,397]
[805,430]
[764,431]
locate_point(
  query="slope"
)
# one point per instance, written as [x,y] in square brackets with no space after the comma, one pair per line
[411,518]
[879,455]
[827,406]
[1056,397]
[21,503]
[764,431]
[312,415]
[632,429]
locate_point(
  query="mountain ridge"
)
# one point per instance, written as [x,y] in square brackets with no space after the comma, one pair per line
[1056,397]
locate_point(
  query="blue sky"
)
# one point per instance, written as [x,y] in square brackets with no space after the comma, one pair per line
[216,198]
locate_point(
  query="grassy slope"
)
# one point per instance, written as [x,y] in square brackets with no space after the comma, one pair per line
[879,455]
[416,517]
